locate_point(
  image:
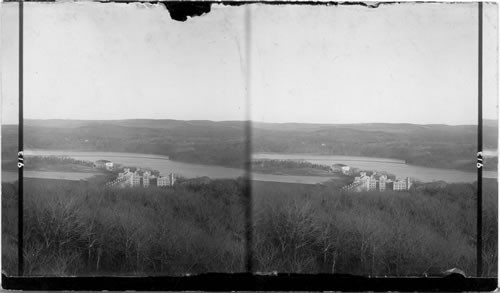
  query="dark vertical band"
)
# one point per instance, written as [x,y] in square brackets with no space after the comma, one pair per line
[479,247]
[20,204]
[248,146]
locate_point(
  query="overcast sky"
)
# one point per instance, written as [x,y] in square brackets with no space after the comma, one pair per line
[413,63]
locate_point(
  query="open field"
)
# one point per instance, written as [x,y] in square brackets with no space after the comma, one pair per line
[73,176]
[50,167]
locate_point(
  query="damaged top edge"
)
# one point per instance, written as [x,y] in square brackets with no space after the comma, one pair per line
[370,4]
[181,10]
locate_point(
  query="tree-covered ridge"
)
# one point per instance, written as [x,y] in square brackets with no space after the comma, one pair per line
[224,143]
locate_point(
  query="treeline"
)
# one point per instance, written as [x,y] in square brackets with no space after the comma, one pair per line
[290,167]
[312,229]
[440,146]
[418,152]
[39,162]
[85,229]
[223,143]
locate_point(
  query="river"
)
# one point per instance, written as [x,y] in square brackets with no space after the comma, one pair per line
[166,166]
[156,162]
[392,166]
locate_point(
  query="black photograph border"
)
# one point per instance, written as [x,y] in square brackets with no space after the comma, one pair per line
[252,281]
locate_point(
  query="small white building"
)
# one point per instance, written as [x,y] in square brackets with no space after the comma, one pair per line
[104,164]
[346,170]
[109,165]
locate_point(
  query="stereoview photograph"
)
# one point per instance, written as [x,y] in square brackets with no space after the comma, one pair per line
[329,138]
[365,138]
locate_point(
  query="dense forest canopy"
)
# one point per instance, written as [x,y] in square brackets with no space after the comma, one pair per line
[84,229]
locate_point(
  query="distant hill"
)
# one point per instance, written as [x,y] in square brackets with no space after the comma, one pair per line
[223,143]
[434,145]
[205,142]
[490,122]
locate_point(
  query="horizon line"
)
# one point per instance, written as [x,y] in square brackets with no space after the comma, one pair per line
[253,121]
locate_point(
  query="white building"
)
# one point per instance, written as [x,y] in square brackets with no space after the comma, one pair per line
[109,165]
[408,183]
[129,179]
[135,179]
[368,183]
[166,180]
[346,170]
[145,181]
[399,185]
[372,183]
[382,182]
[104,164]
[361,183]
[163,181]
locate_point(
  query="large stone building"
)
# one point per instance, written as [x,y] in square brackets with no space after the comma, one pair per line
[377,182]
[403,184]
[144,179]
[166,180]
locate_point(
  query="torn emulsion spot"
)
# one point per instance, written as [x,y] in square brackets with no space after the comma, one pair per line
[369,4]
[181,10]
